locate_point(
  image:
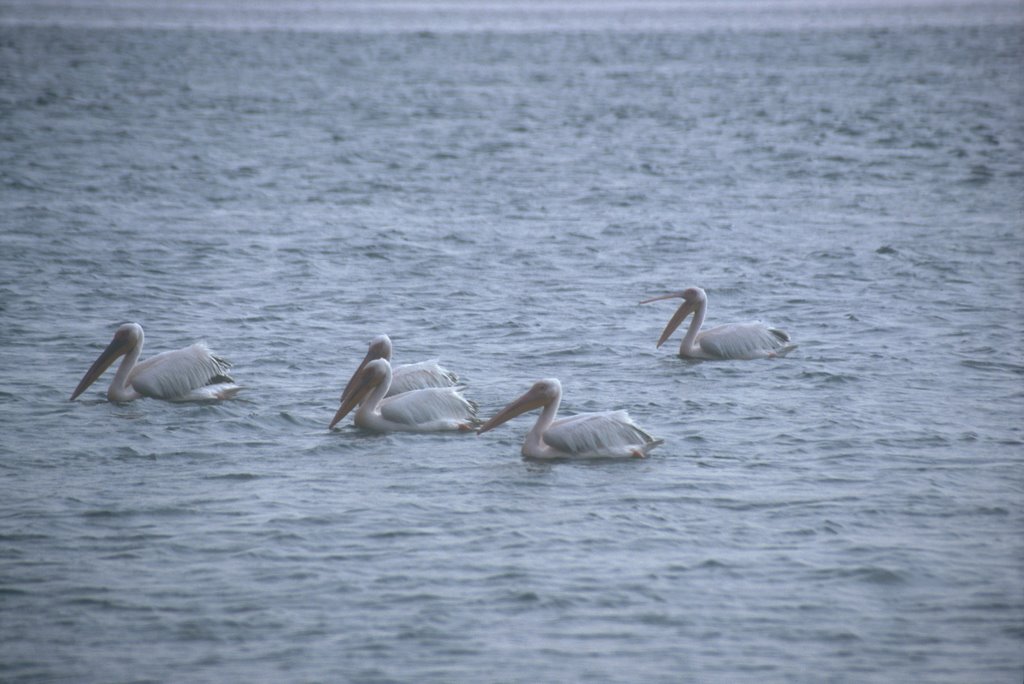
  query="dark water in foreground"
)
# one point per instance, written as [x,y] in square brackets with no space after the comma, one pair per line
[502,200]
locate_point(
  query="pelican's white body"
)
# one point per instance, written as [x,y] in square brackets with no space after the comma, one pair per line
[189,374]
[604,434]
[431,409]
[405,377]
[729,341]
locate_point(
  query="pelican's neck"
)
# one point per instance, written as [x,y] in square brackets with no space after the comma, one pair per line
[370,407]
[120,387]
[688,346]
[534,442]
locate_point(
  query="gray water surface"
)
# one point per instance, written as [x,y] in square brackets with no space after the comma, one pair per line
[502,199]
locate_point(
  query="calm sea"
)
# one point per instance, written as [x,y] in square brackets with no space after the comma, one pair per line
[498,185]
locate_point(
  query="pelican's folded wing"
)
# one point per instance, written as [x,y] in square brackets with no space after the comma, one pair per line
[423,406]
[414,376]
[610,433]
[175,374]
[742,341]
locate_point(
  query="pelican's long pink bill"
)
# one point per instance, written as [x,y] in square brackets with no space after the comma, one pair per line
[379,348]
[533,399]
[356,390]
[115,349]
[678,317]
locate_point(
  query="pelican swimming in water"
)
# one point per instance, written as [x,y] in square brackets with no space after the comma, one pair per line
[729,341]
[586,435]
[189,374]
[431,409]
[406,377]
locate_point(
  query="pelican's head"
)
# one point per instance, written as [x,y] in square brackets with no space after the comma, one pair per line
[692,298]
[380,348]
[126,338]
[369,376]
[541,394]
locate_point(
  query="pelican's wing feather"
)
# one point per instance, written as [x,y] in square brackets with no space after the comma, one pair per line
[603,433]
[413,376]
[175,374]
[743,341]
[422,406]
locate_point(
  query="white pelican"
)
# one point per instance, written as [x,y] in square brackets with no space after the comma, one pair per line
[189,374]
[406,377]
[431,409]
[585,435]
[729,341]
